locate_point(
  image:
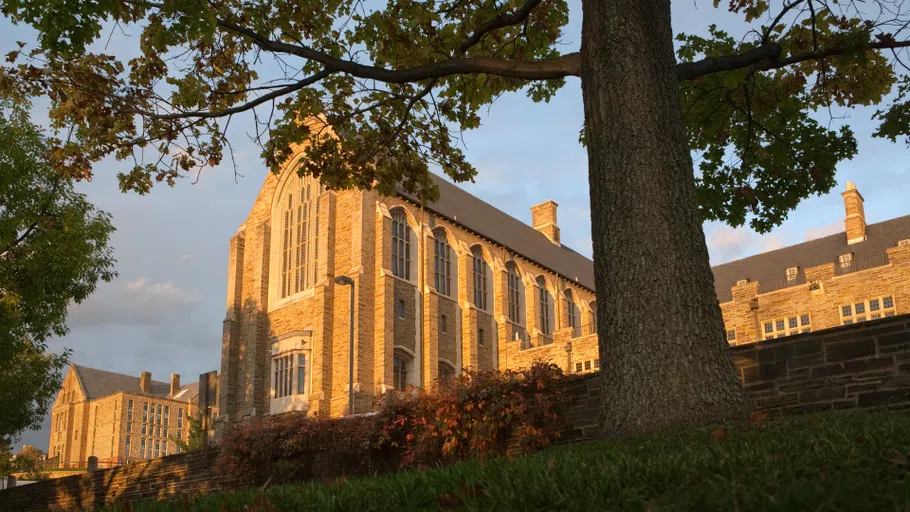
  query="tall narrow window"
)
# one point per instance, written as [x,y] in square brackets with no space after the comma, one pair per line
[571,310]
[283,373]
[129,411]
[145,412]
[480,278]
[401,245]
[301,374]
[442,264]
[126,447]
[514,295]
[299,234]
[142,448]
[543,305]
[400,372]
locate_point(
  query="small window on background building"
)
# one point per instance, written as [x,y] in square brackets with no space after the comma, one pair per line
[794,324]
[578,367]
[587,365]
[597,363]
[875,308]
[731,335]
[400,308]
[845,260]
[792,272]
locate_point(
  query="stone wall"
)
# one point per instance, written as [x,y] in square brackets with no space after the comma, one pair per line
[863,365]
[181,474]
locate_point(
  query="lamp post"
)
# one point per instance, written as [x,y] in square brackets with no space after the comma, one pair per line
[345,281]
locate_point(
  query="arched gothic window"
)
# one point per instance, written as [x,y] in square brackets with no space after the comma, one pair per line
[299,211]
[401,367]
[480,278]
[446,373]
[442,263]
[514,293]
[543,306]
[572,313]
[401,245]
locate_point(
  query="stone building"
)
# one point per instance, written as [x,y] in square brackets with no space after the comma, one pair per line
[119,418]
[460,284]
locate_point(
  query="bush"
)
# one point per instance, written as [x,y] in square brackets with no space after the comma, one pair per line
[480,414]
[286,448]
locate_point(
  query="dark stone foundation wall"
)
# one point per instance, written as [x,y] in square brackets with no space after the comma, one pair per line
[862,365]
[859,365]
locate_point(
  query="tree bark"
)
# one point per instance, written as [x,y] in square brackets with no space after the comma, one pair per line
[664,359]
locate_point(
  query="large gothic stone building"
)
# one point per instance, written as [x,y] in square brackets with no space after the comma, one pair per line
[461,284]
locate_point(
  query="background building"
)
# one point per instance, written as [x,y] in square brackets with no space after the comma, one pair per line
[119,418]
[460,284]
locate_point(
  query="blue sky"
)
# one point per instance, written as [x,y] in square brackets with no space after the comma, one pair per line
[163,314]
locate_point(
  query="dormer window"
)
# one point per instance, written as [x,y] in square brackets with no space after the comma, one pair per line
[792,272]
[742,282]
[845,260]
[904,243]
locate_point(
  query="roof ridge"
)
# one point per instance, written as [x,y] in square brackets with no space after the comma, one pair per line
[813,240]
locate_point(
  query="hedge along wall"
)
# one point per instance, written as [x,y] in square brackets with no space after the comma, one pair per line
[862,365]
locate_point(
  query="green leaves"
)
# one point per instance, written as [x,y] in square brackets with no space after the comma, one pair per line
[763,138]
[53,251]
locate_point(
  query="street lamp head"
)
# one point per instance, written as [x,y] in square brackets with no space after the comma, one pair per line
[344,280]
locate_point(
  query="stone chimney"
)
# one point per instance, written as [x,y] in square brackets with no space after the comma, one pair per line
[175,383]
[543,218]
[145,382]
[855,221]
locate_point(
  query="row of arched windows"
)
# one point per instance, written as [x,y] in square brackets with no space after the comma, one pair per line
[444,271]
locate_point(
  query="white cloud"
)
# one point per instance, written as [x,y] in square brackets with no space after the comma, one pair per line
[823,231]
[137,302]
[726,243]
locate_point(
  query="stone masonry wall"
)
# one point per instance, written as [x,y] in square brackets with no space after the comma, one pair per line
[855,366]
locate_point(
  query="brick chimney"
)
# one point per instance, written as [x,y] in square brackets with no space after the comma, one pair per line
[543,218]
[855,221]
[175,383]
[145,382]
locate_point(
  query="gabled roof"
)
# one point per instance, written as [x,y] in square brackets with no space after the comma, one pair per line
[99,383]
[773,264]
[484,219]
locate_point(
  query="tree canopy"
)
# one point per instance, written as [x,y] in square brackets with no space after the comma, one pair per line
[398,83]
[53,251]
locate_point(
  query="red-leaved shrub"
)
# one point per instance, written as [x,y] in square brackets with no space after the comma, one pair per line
[293,447]
[481,414]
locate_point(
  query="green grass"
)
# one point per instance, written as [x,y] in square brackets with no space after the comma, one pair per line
[850,461]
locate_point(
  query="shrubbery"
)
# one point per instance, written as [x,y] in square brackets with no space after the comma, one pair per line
[479,414]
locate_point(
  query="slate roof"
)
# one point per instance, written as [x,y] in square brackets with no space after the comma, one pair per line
[99,383]
[484,219]
[492,223]
[773,264]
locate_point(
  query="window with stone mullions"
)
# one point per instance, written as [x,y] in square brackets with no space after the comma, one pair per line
[871,309]
[401,246]
[299,238]
[514,297]
[544,306]
[442,265]
[787,326]
[480,279]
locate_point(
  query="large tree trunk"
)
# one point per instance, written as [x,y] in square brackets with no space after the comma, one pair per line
[664,358]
